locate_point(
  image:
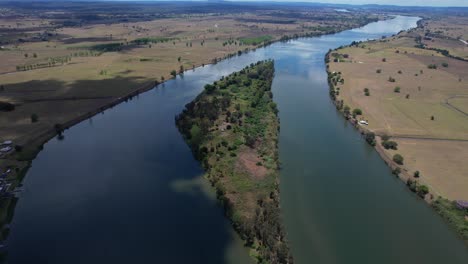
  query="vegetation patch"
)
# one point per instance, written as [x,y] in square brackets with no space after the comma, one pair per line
[456,216]
[256,40]
[232,129]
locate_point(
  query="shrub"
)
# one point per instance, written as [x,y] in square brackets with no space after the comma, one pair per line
[384,59]
[391,79]
[346,110]
[416,174]
[444,64]
[357,112]
[378,71]
[366,91]
[210,88]
[390,144]
[34,118]
[370,138]
[397,89]
[432,66]
[398,159]
[385,137]
[423,190]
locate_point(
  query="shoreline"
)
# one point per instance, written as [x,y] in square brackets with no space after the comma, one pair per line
[432,198]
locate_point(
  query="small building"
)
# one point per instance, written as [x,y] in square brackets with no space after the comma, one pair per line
[462,204]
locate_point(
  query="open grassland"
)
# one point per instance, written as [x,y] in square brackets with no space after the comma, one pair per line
[447,33]
[412,89]
[59,72]
[412,94]
[232,128]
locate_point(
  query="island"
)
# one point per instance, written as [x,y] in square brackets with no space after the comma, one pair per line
[232,128]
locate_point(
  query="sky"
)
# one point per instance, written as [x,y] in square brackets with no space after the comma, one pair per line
[384,2]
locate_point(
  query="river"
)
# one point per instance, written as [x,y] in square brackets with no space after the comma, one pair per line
[123,186]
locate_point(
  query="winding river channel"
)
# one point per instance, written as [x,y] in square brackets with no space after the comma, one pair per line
[123,187]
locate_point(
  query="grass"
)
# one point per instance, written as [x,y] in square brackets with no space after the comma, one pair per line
[234,134]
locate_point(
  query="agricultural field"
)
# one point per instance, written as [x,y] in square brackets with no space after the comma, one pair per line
[412,89]
[57,69]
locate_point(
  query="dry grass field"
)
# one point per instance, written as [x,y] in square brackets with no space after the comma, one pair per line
[83,71]
[417,96]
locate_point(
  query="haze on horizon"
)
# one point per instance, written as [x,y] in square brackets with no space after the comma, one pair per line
[427,3]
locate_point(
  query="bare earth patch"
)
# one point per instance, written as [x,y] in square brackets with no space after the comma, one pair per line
[247,162]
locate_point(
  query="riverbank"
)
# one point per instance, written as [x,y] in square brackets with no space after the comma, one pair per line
[363,97]
[232,129]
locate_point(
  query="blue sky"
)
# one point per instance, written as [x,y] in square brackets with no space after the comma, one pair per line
[384,2]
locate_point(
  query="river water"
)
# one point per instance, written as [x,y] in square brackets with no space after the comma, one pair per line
[123,187]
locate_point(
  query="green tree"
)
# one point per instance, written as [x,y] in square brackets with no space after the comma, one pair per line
[390,144]
[397,89]
[398,159]
[174,73]
[366,92]
[346,110]
[423,190]
[357,112]
[370,138]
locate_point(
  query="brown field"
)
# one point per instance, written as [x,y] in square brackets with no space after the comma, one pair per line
[84,83]
[436,148]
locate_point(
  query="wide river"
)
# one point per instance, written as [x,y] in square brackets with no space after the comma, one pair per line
[123,187]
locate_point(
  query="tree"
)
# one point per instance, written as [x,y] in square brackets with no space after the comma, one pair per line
[346,110]
[210,88]
[174,73]
[445,65]
[384,59]
[387,144]
[391,79]
[366,92]
[398,159]
[397,89]
[370,138]
[378,71]
[178,59]
[357,112]
[34,118]
[423,190]
[416,174]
